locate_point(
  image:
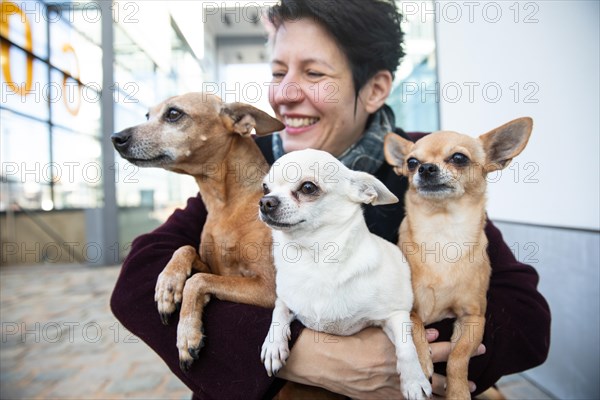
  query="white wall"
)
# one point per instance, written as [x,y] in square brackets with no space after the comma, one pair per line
[549,51]
[565,260]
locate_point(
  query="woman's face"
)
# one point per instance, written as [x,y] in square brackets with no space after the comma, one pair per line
[312,91]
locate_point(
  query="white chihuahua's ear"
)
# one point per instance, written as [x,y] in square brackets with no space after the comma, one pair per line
[504,143]
[242,118]
[365,188]
[395,149]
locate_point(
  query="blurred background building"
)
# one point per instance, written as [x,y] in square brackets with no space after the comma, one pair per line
[66,196]
[75,72]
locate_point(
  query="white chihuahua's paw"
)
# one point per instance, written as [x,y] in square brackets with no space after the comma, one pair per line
[415,387]
[274,353]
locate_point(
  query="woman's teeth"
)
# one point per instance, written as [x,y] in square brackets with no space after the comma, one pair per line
[299,122]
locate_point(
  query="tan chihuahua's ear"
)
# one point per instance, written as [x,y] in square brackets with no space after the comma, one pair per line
[242,118]
[504,143]
[395,149]
[367,189]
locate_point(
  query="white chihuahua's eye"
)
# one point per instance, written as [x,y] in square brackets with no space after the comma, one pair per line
[459,159]
[309,188]
[173,114]
[412,164]
[147,116]
[265,189]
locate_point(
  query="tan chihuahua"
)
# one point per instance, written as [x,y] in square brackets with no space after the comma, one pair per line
[442,235]
[199,135]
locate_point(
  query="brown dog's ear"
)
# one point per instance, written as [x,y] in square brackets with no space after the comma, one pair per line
[242,118]
[504,143]
[395,149]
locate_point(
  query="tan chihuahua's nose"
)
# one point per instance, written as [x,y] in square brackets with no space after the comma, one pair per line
[268,204]
[428,170]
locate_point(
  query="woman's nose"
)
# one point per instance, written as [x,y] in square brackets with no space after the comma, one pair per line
[287,91]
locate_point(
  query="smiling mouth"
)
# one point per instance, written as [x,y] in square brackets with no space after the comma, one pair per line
[293,122]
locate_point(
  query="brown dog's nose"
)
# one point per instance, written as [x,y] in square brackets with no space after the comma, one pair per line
[268,204]
[121,140]
[427,170]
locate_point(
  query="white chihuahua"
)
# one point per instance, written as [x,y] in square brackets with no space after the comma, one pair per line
[332,273]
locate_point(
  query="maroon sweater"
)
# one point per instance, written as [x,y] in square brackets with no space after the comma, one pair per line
[517,333]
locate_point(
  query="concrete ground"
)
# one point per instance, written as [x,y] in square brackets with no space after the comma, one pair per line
[60,341]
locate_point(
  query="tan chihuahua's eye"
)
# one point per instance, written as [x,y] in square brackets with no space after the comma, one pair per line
[459,159]
[412,164]
[173,114]
[266,189]
[309,188]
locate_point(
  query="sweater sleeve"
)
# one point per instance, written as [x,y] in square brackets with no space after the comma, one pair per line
[229,365]
[517,331]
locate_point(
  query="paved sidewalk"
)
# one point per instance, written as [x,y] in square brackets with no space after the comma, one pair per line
[60,340]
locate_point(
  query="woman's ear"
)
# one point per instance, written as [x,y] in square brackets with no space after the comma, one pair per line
[376,90]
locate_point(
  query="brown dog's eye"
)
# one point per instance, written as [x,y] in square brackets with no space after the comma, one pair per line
[309,188]
[412,164]
[459,159]
[173,114]
[266,189]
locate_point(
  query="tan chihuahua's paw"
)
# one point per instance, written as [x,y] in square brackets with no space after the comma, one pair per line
[416,387]
[428,368]
[190,340]
[274,353]
[168,293]
[458,392]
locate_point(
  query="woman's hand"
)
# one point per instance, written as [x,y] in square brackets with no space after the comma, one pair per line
[362,366]
[439,353]
[359,366]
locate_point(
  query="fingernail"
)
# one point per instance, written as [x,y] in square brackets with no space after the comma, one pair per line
[431,333]
[481,349]
[472,387]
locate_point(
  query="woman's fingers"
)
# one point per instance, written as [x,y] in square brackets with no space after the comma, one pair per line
[441,350]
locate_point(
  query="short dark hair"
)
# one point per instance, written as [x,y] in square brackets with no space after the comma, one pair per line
[367,31]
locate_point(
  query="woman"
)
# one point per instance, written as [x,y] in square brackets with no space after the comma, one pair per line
[332,65]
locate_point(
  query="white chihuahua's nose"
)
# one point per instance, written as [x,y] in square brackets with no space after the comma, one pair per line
[268,204]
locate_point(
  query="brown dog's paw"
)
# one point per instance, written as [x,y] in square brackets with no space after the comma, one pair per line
[168,293]
[190,340]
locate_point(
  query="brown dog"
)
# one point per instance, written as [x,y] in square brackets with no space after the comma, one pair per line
[443,236]
[199,135]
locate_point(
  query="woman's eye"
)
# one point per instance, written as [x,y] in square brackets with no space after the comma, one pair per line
[277,75]
[173,114]
[412,164]
[314,74]
[459,159]
[308,188]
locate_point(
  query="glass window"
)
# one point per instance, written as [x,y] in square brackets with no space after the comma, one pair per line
[74,105]
[24,83]
[26,170]
[413,97]
[78,170]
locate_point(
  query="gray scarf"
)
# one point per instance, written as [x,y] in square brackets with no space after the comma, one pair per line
[367,153]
